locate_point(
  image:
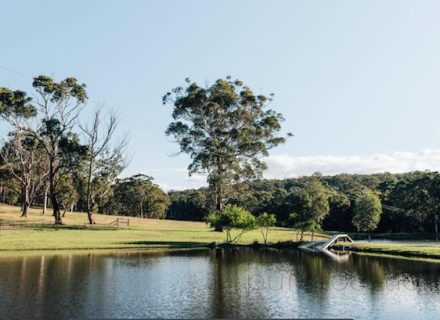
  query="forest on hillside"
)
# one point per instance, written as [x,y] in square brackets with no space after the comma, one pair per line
[410,201]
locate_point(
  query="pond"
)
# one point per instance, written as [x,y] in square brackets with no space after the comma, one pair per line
[243,283]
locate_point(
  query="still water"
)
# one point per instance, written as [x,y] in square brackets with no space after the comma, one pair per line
[244,283]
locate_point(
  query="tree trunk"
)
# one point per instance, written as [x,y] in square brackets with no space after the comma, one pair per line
[89,194]
[313,233]
[219,202]
[90,216]
[436,227]
[219,186]
[24,201]
[24,210]
[54,200]
[218,197]
[44,201]
[56,210]
[369,237]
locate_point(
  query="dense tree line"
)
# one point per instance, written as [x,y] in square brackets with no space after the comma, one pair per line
[137,196]
[409,201]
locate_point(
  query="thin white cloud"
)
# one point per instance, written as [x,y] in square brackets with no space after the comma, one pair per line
[182,181]
[283,166]
[286,166]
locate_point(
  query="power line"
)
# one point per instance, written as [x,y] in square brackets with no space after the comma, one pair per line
[16,72]
[145,126]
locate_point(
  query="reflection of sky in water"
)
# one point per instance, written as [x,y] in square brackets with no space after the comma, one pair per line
[205,283]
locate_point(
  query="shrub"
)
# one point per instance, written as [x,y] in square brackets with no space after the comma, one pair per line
[232,217]
[265,221]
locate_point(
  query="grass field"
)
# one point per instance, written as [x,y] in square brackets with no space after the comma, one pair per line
[399,249]
[37,232]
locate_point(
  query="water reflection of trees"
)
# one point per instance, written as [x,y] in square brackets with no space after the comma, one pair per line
[244,282]
[417,275]
[376,271]
[259,279]
[48,286]
[313,273]
[370,272]
[77,286]
[315,279]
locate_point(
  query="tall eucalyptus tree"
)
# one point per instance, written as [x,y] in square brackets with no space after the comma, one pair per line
[226,129]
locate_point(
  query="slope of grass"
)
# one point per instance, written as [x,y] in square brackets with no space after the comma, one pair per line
[37,232]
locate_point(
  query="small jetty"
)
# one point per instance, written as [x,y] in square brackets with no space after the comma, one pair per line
[325,247]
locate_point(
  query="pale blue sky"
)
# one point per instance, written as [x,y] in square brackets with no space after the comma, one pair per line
[357,81]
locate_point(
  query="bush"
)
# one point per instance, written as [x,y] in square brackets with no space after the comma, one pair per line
[232,217]
[265,221]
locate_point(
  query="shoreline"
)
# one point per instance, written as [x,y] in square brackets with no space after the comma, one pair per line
[396,250]
[171,247]
[375,250]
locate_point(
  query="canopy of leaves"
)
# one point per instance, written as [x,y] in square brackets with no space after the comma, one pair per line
[16,104]
[137,194]
[188,205]
[368,210]
[266,220]
[232,217]
[224,128]
[57,92]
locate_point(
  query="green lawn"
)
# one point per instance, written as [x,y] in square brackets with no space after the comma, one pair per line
[406,250]
[37,232]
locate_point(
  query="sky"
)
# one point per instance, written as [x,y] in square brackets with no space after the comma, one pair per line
[357,81]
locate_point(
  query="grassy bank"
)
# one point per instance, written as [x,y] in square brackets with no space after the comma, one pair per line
[405,250]
[37,232]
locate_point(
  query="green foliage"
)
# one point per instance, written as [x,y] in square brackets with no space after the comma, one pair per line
[302,224]
[312,205]
[232,217]
[419,194]
[15,104]
[188,205]
[316,198]
[137,196]
[368,210]
[67,192]
[411,200]
[56,110]
[224,128]
[58,91]
[10,196]
[265,221]
[293,218]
